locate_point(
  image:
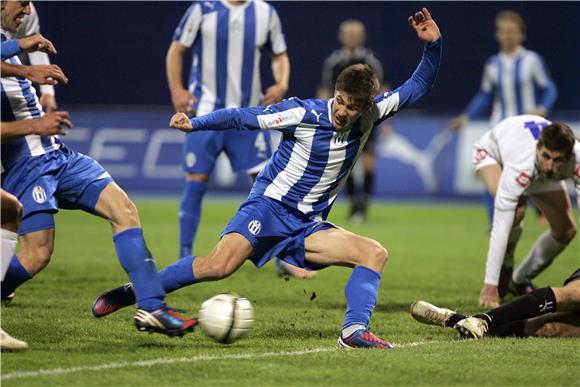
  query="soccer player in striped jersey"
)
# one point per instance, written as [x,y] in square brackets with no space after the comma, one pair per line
[45,175]
[31,26]
[285,213]
[227,39]
[526,156]
[511,78]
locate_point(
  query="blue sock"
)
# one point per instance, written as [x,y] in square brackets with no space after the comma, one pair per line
[489,206]
[16,275]
[361,296]
[189,215]
[178,274]
[137,261]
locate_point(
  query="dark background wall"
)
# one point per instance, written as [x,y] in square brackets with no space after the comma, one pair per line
[114,52]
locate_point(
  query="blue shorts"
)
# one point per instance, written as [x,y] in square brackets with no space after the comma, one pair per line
[275,230]
[58,179]
[246,150]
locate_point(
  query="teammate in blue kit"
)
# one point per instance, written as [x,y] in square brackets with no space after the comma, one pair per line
[285,213]
[45,175]
[227,39]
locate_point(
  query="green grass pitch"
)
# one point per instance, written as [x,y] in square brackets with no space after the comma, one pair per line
[437,253]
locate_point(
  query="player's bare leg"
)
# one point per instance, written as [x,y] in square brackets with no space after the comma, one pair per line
[558,210]
[343,248]
[152,314]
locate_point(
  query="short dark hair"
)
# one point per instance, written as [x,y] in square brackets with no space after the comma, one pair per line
[359,82]
[557,137]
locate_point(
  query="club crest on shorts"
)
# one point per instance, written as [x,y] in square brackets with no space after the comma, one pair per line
[255,227]
[190,159]
[38,194]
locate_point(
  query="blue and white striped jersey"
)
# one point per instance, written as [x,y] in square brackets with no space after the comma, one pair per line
[513,83]
[313,159]
[227,42]
[19,102]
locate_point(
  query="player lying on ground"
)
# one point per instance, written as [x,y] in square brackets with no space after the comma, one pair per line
[284,216]
[543,312]
[526,156]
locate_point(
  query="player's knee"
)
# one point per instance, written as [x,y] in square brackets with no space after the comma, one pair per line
[127,215]
[378,254]
[12,211]
[565,235]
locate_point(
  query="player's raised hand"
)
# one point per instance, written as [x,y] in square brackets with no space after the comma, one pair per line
[181,121]
[52,123]
[274,94]
[46,74]
[36,42]
[425,26]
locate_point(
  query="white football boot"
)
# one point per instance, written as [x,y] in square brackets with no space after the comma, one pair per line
[427,313]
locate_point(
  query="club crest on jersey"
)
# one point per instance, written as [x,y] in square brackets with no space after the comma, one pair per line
[38,194]
[480,154]
[255,227]
[341,137]
[523,179]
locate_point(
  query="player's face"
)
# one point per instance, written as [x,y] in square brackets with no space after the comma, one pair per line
[345,111]
[550,162]
[352,35]
[508,35]
[12,14]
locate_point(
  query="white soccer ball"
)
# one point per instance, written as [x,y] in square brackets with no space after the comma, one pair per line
[226,317]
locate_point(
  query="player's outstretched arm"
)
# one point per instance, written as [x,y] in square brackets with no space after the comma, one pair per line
[425,26]
[50,124]
[39,74]
[36,42]
[423,77]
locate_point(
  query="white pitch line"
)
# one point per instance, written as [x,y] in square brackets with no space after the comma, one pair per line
[192,359]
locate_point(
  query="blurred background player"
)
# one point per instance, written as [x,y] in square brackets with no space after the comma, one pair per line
[285,213]
[45,175]
[549,312]
[227,39]
[31,26]
[352,37]
[515,81]
[526,156]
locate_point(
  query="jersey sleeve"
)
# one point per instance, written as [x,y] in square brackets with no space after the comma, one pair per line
[277,42]
[542,78]
[415,87]
[484,96]
[188,28]
[287,113]
[9,48]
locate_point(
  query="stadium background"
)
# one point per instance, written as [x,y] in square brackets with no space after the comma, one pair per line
[114,55]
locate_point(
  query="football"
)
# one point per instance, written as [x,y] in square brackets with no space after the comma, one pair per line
[226,317]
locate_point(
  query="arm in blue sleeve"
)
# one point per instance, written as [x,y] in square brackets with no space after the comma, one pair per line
[10,48]
[549,94]
[478,103]
[424,76]
[231,118]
